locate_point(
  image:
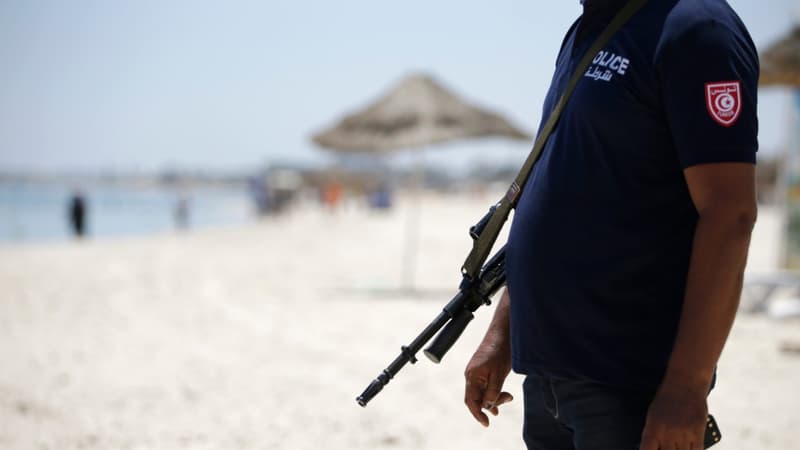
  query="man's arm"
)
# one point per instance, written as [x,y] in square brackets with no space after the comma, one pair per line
[725,199]
[490,365]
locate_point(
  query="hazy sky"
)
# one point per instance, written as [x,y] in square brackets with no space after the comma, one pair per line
[150,84]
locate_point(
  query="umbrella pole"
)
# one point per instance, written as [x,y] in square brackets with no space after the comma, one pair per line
[412,233]
[790,184]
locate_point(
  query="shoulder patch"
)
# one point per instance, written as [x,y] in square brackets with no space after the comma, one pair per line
[724,101]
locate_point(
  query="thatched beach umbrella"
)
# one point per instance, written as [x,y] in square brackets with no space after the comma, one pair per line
[780,63]
[416,113]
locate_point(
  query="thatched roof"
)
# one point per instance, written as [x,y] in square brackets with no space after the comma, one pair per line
[780,63]
[416,113]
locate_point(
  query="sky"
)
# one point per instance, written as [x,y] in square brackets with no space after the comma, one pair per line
[237,85]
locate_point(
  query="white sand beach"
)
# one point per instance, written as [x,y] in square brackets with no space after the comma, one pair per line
[261,337]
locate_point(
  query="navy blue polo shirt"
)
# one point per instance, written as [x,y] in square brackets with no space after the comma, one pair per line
[599,248]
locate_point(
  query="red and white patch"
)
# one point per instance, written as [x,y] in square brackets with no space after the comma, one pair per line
[724,101]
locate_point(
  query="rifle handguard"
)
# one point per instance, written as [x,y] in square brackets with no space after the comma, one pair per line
[449,335]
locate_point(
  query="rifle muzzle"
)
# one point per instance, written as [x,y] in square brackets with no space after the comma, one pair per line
[371,391]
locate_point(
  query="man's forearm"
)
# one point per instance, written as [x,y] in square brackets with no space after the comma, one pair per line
[499,328]
[714,285]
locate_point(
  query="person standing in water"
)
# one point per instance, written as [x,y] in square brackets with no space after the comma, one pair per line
[77,214]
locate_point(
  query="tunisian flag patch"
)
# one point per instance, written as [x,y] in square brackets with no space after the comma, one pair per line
[724,101]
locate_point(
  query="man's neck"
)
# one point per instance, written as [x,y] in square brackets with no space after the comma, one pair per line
[602,6]
[596,15]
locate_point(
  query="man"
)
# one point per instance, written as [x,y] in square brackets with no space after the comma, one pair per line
[77,214]
[627,248]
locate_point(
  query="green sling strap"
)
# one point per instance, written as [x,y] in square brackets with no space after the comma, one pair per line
[482,245]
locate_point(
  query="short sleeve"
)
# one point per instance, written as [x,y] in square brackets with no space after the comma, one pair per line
[709,84]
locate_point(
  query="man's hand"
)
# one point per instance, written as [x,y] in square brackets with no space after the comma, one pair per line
[676,419]
[489,366]
[485,374]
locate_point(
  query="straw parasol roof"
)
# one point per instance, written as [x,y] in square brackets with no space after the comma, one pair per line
[780,63]
[418,112]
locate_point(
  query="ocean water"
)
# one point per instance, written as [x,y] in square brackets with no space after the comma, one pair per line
[34,212]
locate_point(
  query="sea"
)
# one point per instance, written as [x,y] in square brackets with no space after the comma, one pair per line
[38,211]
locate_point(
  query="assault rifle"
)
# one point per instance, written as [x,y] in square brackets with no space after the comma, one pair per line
[454,318]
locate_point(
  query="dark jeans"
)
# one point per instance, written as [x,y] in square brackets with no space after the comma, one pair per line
[582,415]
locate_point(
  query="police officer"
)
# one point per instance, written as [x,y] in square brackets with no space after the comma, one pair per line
[627,249]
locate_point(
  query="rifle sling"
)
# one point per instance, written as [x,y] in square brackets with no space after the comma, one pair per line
[483,245]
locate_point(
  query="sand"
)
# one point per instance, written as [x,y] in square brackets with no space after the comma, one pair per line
[261,337]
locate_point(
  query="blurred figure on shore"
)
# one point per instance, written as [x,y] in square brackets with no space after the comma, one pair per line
[332,195]
[181,212]
[77,213]
[380,198]
[260,193]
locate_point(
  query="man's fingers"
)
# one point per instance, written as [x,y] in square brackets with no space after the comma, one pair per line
[475,408]
[494,392]
[666,438]
[699,438]
[664,443]
[649,442]
[490,398]
[505,397]
[473,398]
[649,445]
[667,442]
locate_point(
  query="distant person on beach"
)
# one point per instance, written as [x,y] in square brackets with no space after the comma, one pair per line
[181,212]
[261,194]
[332,195]
[380,197]
[77,211]
[627,249]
